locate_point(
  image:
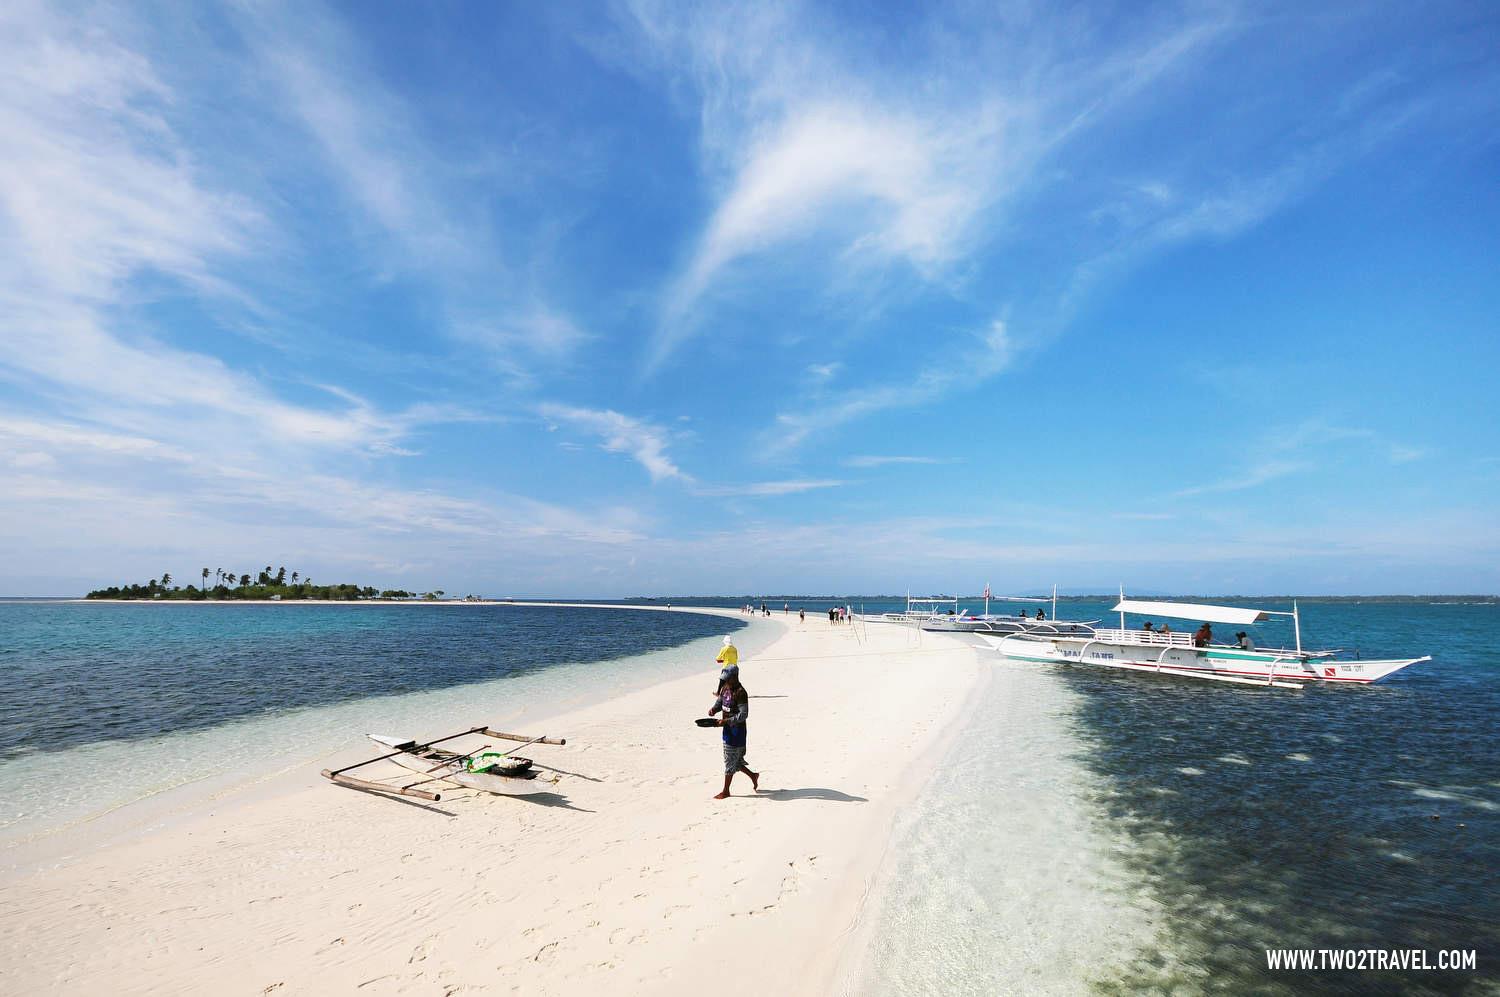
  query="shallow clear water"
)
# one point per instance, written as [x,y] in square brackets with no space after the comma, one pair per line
[1234,820]
[80,673]
[104,705]
[1159,835]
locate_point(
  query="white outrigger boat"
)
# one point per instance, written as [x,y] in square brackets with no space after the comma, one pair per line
[918,611]
[1000,624]
[1171,653]
[500,772]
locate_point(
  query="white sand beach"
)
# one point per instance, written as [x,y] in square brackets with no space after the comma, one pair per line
[627,876]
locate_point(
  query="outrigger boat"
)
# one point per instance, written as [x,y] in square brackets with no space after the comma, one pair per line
[918,611]
[500,772]
[1173,653]
[1001,624]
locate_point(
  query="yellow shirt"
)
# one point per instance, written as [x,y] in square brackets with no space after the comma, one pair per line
[729,656]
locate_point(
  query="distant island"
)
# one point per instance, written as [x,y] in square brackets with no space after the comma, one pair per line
[266,584]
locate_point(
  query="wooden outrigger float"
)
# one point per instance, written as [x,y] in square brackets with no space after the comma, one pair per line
[499,772]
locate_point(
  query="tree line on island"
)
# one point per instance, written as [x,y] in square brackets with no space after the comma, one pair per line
[265,585]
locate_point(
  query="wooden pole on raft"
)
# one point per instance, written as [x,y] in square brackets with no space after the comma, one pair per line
[522,737]
[379,787]
[407,750]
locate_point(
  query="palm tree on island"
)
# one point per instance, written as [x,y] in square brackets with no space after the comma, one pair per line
[269,585]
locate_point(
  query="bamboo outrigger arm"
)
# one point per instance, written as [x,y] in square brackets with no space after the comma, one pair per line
[522,737]
[380,787]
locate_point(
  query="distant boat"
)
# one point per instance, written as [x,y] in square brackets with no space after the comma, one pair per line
[1000,624]
[918,611]
[1178,654]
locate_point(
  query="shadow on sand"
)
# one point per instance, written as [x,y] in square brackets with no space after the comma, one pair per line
[405,800]
[810,793]
[556,800]
[571,775]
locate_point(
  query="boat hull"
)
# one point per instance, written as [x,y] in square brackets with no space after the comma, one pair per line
[1000,627]
[1223,664]
[437,763]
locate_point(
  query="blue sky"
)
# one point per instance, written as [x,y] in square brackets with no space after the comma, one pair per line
[635,298]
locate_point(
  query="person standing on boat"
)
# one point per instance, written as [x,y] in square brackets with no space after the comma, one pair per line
[733,702]
[1203,636]
[1243,642]
[1148,628]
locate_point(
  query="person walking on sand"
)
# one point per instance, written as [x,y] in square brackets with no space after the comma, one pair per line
[728,654]
[733,702]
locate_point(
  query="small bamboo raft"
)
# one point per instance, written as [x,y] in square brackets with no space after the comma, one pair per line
[500,772]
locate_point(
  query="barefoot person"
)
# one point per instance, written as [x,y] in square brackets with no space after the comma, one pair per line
[734,703]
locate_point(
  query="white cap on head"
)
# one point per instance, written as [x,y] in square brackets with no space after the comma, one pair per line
[727,641]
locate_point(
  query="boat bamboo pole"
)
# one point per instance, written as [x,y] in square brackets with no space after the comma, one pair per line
[407,750]
[379,787]
[520,737]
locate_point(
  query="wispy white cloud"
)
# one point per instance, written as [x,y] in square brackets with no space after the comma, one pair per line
[882,460]
[1307,446]
[643,441]
[107,205]
[882,163]
[648,444]
[395,177]
[1252,477]
[985,355]
[893,185]
[792,486]
[100,194]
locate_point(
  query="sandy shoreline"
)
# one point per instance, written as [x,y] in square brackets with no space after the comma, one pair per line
[627,875]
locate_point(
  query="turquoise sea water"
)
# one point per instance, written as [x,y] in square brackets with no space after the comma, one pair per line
[107,704]
[1226,820]
[81,673]
[1209,822]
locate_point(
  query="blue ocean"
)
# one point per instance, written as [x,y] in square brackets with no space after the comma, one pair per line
[1236,819]
[1231,819]
[108,704]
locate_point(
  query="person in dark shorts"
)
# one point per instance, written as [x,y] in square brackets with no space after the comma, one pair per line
[733,702]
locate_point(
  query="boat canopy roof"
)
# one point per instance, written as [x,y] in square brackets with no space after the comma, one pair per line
[1193,611]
